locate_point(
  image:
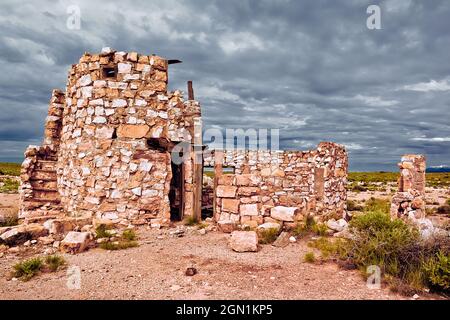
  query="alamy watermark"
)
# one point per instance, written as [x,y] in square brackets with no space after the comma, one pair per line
[73,21]
[73,278]
[373,22]
[374,277]
[261,139]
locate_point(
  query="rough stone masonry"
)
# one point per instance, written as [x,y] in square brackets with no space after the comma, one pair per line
[410,198]
[107,154]
[108,137]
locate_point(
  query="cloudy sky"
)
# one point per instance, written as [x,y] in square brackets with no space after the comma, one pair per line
[310,68]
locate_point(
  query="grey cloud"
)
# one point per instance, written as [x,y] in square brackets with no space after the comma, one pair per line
[310,68]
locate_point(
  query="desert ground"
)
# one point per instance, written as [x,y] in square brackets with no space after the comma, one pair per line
[156,268]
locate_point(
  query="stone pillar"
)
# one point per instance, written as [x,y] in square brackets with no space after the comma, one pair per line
[409,200]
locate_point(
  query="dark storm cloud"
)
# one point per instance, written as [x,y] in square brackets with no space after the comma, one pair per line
[310,68]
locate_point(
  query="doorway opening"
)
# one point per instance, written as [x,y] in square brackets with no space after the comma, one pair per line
[176,192]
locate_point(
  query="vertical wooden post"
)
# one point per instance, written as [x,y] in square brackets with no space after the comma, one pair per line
[198,169]
[218,171]
[190,90]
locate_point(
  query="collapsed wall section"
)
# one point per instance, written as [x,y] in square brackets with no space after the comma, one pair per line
[312,182]
[38,190]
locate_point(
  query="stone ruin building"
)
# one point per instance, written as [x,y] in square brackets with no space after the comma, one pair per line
[107,154]
[410,198]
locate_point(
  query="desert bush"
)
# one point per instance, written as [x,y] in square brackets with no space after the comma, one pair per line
[27,269]
[309,226]
[9,220]
[437,270]
[309,257]
[54,262]
[266,236]
[353,206]
[10,169]
[398,250]
[190,221]
[374,204]
[319,229]
[126,240]
[118,245]
[9,185]
[334,247]
[129,235]
[102,232]
[445,209]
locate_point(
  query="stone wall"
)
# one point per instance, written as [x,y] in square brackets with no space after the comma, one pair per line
[410,198]
[308,182]
[38,190]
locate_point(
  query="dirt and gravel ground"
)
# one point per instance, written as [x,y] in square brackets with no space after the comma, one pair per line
[156,270]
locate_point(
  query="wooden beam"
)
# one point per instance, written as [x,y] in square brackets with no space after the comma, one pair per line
[190,90]
[218,171]
[198,169]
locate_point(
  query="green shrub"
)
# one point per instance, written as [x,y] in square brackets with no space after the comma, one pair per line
[129,235]
[445,209]
[309,257]
[437,271]
[305,227]
[266,236]
[27,269]
[127,240]
[102,232]
[319,229]
[330,247]
[374,204]
[379,240]
[10,169]
[9,185]
[54,262]
[118,245]
[353,206]
[10,221]
[190,221]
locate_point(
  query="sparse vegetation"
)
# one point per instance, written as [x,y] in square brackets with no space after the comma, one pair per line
[377,181]
[54,262]
[9,169]
[102,232]
[25,270]
[354,206]
[309,226]
[8,185]
[408,262]
[129,235]
[266,236]
[9,220]
[126,240]
[374,204]
[118,245]
[190,221]
[438,271]
[445,209]
[309,257]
